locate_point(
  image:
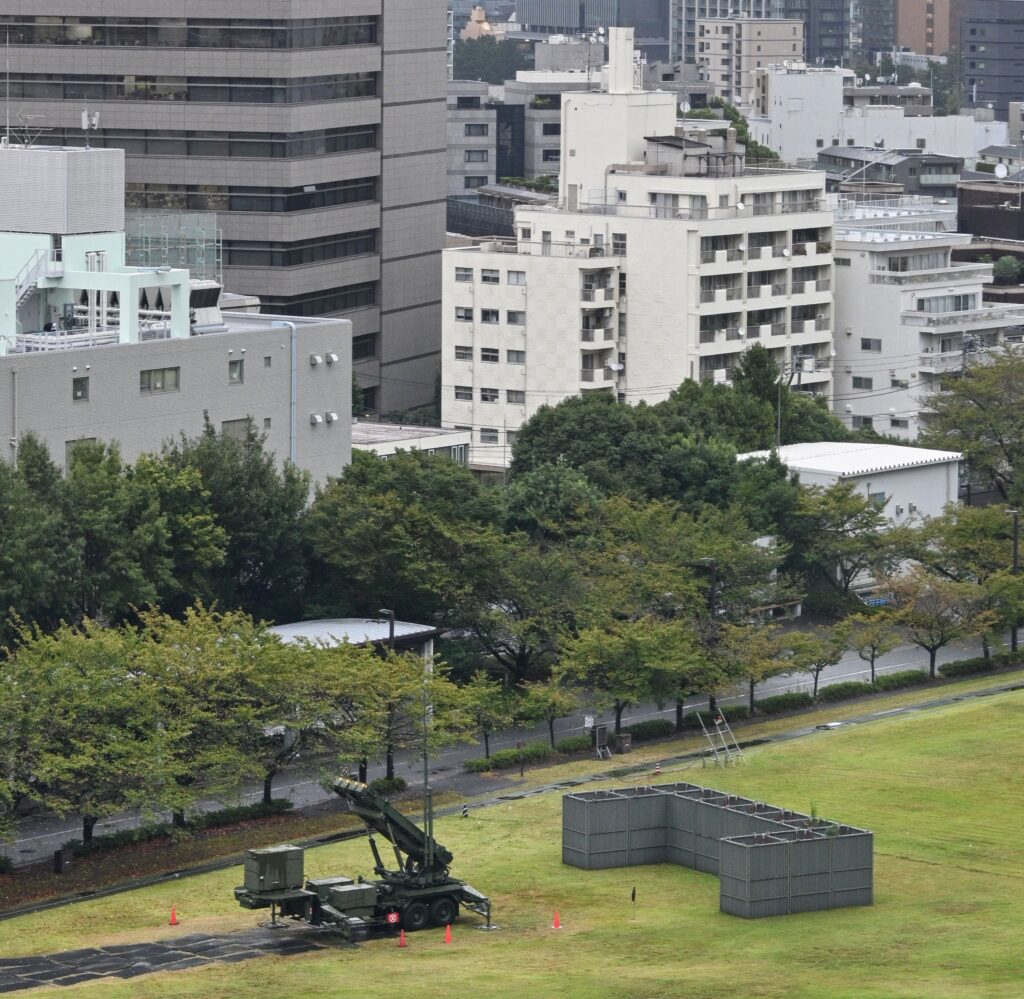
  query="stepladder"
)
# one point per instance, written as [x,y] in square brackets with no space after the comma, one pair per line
[722,744]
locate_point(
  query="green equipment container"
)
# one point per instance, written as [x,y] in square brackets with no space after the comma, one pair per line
[274,868]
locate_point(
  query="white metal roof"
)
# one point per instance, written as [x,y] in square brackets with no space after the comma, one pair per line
[852,458]
[384,433]
[357,630]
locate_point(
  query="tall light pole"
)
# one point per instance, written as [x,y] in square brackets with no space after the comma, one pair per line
[712,566]
[390,750]
[1016,571]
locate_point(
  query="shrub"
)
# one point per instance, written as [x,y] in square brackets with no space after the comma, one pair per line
[507,759]
[906,678]
[653,728]
[574,744]
[783,702]
[156,830]
[385,786]
[730,712]
[968,667]
[1006,270]
[843,691]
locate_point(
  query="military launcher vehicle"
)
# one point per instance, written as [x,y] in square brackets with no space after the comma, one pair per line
[418,893]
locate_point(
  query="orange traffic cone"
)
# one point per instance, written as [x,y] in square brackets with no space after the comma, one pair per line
[174,916]
[556,923]
[448,934]
[657,769]
[401,939]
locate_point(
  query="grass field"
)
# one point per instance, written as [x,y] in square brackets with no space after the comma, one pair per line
[943,791]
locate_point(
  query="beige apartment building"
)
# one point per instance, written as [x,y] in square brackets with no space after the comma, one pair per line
[731,50]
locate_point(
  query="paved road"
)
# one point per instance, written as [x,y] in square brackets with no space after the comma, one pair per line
[39,836]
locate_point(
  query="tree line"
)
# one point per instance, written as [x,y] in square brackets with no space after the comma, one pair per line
[629,556]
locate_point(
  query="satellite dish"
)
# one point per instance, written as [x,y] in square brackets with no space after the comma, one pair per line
[741,206]
[617,367]
[867,77]
[741,331]
[741,247]
[785,253]
[1001,170]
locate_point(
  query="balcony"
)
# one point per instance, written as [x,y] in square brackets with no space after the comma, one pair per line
[777,329]
[598,295]
[596,378]
[938,179]
[995,315]
[941,363]
[598,337]
[954,272]
[805,205]
[730,255]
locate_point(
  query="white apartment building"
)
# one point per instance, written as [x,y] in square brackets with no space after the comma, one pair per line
[906,314]
[660,265]
[800,110]
[731,49]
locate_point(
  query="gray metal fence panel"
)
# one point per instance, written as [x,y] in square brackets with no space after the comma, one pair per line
[770,860]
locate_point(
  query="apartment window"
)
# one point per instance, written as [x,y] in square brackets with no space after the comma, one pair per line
[236,372]
[860,382]
[869,343]
[862,422]
[469,183]
[899,423]
[488,435]
[464,274]
[511,436]
[841,261]
[237,430]
[551,156]
[464,393]
[516,277]
[947,303]
[619,244]
[488,395]
[488,276]
[551,128]
[476,128]
[820,143]
[364,347]
[899,383]
[515,318]
[159,380]
[476,156]
[463,314]
[877,499]
[490,355]
[80,389]
[463,352]
[515,356]
[515,396]
[922,143]
[268,361]
[266,422]
[490,316]
[370,398]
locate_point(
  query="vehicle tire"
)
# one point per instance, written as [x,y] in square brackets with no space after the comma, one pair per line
[415,916]
[443,911]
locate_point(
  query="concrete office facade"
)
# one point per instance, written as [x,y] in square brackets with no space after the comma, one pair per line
[316,133]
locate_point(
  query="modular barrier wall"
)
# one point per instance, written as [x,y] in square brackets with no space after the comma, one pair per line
[770,861]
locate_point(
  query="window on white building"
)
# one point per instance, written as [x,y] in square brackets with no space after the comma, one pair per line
[516,277]
[476,156]
[463,352]
[489,276]
[488,395]
[515,318]
[464,393]
[463,273]
[488,435]
[870,343]
[490,355]
[860,382]
[899,423]
[515,356]
[515,396]
[490,316]
[861,421]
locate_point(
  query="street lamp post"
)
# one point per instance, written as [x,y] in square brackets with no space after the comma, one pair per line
[1016,571]
[712,566]
[390,615]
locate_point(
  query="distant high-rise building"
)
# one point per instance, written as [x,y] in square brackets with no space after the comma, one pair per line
[923,26]
[826,27]
[991,36]
[315,129]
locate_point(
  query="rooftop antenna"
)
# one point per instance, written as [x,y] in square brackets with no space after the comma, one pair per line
[90,120]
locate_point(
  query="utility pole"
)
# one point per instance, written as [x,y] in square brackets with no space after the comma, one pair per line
[1016,571]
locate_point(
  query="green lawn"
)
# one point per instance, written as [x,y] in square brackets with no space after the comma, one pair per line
[943,791]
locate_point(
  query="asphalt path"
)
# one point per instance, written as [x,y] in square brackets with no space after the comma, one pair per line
[39,836]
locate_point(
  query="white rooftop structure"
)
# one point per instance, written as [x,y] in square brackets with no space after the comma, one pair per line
[846,459]
[387,439]
[353,630]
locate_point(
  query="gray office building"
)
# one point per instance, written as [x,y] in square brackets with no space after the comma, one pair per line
[992,50]
[315,129]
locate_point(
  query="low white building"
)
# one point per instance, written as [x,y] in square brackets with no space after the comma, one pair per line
[386,439]
[906,314]
[907,482]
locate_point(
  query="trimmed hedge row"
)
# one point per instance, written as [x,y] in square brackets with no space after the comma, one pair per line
[155,830]
[387,785]
[730,712]
[507,759]
[653,728]
[574,744]
[845,690]
[905,678]
[783,702]
[968,667]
